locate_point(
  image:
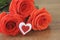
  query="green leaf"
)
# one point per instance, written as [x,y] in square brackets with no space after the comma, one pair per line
[4,4]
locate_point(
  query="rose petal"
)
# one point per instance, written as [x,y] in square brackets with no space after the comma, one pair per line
[1,16]
[9,24]
[40,19]
[21,7]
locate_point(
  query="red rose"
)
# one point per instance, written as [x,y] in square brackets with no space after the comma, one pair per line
[22,7]
[40,19]
[2,15]
[32,1]
[9,24]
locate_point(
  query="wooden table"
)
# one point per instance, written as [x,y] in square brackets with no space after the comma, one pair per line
[52,33]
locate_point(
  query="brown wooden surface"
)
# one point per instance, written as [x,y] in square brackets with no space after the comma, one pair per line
[52,33]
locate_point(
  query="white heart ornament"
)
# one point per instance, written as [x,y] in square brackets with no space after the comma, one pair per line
[23,24]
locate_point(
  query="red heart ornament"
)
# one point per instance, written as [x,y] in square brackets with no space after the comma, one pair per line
[25,28]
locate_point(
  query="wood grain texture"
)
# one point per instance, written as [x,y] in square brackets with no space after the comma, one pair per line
[52,33]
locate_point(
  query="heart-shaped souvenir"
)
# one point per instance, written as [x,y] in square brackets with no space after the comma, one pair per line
[25,28]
